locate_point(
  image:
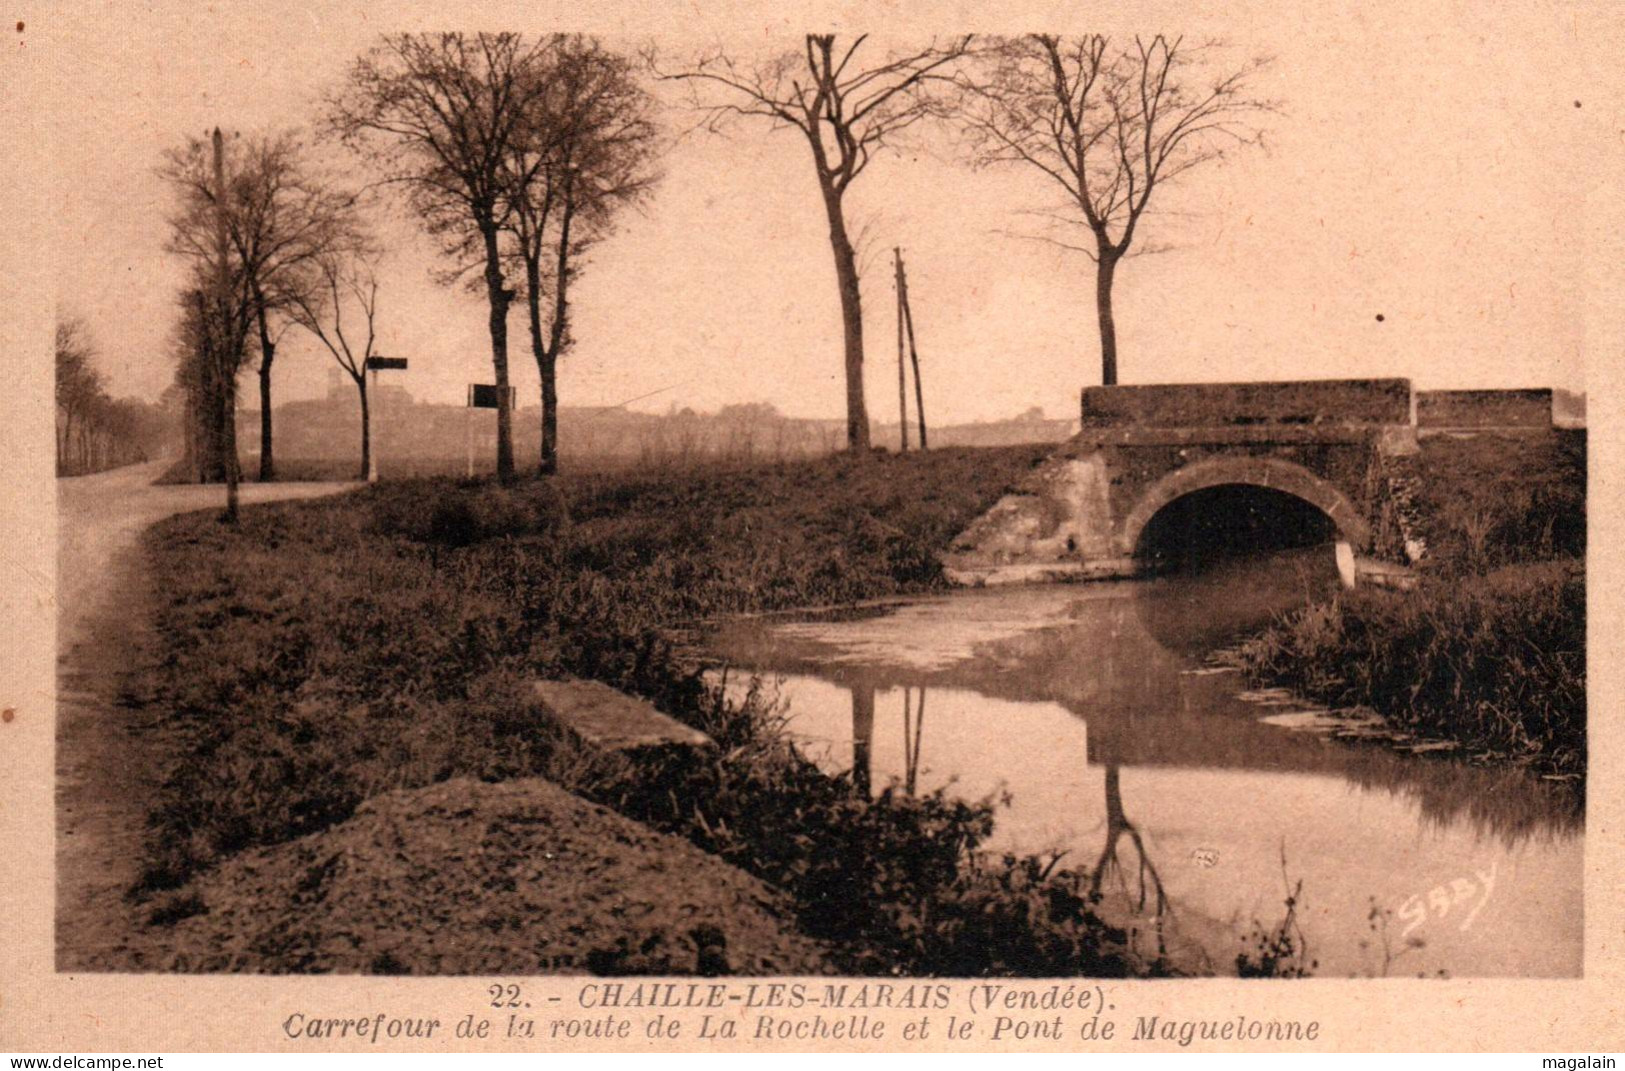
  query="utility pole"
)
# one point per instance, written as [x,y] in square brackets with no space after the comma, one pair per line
[914,354]
[902,390]
[226,368]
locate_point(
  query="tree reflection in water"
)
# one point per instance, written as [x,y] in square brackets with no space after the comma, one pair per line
[1117,824]
[863,736]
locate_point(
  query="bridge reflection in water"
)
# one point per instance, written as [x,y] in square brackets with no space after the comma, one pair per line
[1090,706]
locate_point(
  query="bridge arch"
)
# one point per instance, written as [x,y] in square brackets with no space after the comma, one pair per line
[1267,472]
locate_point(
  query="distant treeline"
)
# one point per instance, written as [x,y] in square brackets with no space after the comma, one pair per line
[325,429]
[95,431]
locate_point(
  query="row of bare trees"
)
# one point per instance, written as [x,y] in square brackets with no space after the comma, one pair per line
[848,110]
[260,225]
[517,155]
[95,431]
[1109,122]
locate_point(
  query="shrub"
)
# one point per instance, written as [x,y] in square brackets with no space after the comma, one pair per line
[1278,951]
[1491,501]
[460,515]
[895,883]
[1494,661]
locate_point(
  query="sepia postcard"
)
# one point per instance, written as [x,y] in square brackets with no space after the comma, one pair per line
[862,528]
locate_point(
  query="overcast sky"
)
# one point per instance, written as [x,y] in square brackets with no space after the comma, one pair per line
[1447,167]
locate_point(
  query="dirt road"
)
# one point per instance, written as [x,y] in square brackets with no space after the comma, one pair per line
[104,766]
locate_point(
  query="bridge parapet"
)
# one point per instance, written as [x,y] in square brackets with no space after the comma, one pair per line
[1488,410]
[1318,402]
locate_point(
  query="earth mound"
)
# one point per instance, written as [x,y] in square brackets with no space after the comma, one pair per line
[465,877]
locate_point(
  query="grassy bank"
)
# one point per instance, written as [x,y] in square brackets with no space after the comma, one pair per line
[329,651]
[1489,649]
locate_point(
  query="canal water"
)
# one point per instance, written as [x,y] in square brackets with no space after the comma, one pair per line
[1091,712]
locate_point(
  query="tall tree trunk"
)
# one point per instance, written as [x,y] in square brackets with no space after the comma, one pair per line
[558,336]
[499,297]
[550,415]
[366,425]
[1106,270]
[546,366]
[229,344]
[267,354]
[846,276]
[228,446]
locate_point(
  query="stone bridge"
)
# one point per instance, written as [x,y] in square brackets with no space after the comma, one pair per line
[1343,447]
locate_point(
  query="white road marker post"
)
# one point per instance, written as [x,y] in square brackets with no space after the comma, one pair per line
[373,366]
[481,396]
[372,426]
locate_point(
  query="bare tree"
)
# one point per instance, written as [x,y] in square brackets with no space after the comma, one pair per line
[848,111]
[586,152]
[95,431]
[218,307]
[280,214]
[437,115]
[344,280]
[1110,124]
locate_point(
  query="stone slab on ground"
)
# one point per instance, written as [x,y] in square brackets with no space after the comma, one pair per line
[466,877]
[613,721]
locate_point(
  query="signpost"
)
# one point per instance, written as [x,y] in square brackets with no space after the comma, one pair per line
[481,396]
[374,364]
